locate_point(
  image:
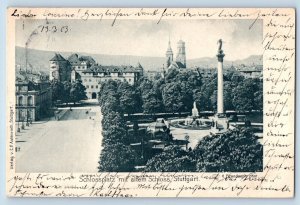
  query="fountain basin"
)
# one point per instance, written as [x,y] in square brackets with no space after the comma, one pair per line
[192,123]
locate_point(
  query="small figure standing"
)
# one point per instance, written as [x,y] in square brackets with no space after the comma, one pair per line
[220,42]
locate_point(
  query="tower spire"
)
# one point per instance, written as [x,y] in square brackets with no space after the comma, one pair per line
[169,54]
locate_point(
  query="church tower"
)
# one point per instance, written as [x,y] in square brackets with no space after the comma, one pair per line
[169,55]
[181,53]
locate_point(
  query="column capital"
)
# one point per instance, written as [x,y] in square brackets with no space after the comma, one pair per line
[220,56]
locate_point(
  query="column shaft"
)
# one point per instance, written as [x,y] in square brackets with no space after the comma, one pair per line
[220,88]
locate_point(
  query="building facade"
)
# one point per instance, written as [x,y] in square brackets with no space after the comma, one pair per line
[91,74]
[254,71]
[33,97]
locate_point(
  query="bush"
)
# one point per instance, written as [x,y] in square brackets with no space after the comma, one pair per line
[233,151]
[172,159]
[116,158]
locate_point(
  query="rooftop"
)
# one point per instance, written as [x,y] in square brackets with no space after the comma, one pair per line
[112,69]
[57,57]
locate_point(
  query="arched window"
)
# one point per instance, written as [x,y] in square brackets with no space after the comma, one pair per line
[30,100]
[20,99]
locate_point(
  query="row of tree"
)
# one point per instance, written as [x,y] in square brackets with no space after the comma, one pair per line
[68,92]
[116,155]
[177,91]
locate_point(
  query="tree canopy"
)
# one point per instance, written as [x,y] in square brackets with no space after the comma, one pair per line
[234,151]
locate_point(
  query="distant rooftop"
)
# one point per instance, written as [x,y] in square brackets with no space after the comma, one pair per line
[112,69]
[57,57]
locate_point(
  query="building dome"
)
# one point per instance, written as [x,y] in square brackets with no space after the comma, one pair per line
[180,42]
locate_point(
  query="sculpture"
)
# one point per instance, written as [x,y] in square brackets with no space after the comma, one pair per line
[195,112]
[220,42]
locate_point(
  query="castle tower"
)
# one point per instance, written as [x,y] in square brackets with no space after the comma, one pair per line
[169,55]
[54,68]
[181,53]
[59,69]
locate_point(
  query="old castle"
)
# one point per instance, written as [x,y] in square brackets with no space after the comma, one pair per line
[90,73]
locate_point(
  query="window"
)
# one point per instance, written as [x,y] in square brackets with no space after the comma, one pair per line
[129,80]
[96,86]
[90,80]
[87,86]
[85,80]
[30,100]
[92,86]
[21,100]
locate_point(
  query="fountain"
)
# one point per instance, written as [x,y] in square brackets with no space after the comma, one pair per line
[218,123]
[195,112]
[192,122]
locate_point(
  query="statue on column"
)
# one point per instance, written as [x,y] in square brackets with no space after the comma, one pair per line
[220,43]
[220,54]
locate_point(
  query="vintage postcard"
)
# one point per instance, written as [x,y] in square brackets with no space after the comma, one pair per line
[150,102]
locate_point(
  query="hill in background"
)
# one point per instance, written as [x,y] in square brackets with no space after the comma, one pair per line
[38,60]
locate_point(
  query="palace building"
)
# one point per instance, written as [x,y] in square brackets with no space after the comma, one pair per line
[33,96]
[90,73]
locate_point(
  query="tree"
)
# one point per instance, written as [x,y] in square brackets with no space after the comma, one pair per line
[214,100]
[57,90]
[243,95]
[258,96]
[116,158]
[228,86]
[108,88]
[234,151]
[77,92]
[171,75]
[172,159]
[128,98]
[173,97]
[150,95]
[199,99]
[66,92]
[151,102]
[258,100]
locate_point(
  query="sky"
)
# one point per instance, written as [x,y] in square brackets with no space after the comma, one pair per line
[143,37]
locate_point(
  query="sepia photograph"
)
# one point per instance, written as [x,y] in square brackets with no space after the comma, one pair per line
[138,96]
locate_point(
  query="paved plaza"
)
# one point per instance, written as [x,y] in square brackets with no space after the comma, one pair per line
[194,135]
[71,144]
